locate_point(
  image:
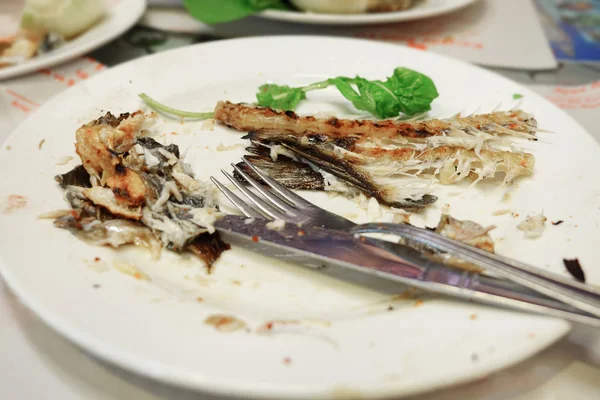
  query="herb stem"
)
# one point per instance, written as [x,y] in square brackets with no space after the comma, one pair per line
[314,86]
[155,105]
[318,85]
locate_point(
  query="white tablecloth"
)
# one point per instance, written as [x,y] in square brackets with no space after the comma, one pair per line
[37,363]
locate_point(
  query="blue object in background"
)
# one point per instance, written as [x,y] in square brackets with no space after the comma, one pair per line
[573,28]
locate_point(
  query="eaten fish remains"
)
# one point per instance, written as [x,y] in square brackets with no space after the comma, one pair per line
[130,189]
[393,161]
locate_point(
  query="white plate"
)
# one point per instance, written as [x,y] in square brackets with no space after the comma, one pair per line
[122,15]
[423,9]
[156,328]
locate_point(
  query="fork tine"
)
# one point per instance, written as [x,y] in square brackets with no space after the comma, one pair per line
[245,208]
[260,203]
[279,188]
[265,192]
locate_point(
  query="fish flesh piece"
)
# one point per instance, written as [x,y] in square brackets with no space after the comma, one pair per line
[130,189]
[465,231]
[100,144]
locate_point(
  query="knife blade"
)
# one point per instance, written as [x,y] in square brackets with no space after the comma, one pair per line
[346,253]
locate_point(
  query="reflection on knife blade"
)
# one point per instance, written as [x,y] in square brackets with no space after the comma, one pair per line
[317,247]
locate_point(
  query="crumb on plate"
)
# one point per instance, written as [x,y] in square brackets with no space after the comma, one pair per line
[501,212]
[63,160]
[225,323]
[128,268]
[533,226]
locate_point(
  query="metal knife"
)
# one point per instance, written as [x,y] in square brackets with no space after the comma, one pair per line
[349,254]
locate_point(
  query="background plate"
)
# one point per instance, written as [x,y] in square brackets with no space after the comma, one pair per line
[423,9]
[122,15]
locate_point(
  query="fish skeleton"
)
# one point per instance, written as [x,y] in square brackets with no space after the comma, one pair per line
[379,158]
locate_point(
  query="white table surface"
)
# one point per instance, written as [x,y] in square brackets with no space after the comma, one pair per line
[37,363]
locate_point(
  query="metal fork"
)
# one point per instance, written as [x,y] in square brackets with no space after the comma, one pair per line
[278,202]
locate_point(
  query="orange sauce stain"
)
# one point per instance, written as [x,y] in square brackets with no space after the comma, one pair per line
[14,203]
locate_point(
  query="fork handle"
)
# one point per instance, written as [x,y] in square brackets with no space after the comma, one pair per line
[578,295]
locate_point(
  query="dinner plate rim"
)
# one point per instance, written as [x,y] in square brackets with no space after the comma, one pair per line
[224,386]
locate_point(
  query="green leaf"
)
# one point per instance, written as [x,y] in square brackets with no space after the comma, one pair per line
[360,101]
[517,96]
[219,11]
[279,97]
[265,4]
[407,91]
[413,90]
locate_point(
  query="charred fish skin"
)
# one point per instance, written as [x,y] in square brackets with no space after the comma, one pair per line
[290,173]
[78,176]
[151,144]
[266,120]
[209,248]
[110,119]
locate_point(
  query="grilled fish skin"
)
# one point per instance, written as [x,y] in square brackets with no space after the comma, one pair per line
[287,171]
[101,143]
[266,120]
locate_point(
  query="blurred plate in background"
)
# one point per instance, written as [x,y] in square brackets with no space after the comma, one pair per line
[423,9]
[122,15]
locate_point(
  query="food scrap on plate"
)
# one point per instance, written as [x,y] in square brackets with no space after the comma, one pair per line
[574,268]
[465,231]
[130,189]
